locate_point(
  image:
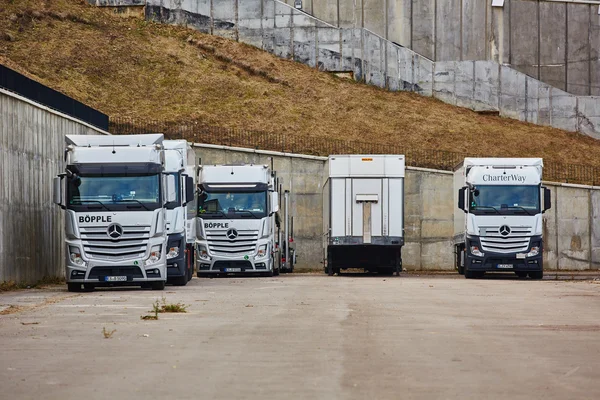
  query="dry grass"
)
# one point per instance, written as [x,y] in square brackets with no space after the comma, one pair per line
[127,67]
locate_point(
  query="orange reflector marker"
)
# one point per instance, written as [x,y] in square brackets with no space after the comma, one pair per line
[367,159]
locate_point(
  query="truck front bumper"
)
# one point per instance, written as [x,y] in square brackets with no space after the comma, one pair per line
[249,264]
[505,262]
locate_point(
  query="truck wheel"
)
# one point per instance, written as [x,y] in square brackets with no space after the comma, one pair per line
[158,285]
[74,287]
[536,274]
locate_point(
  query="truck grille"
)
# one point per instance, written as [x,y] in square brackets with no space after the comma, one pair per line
[516,241]
[132,244]
[244,243]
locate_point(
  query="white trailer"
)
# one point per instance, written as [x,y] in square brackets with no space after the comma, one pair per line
[237,212]
[114,194]
[498,223]
[363,203]
[180,162]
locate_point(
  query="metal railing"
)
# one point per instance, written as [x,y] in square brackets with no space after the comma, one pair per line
[323,146]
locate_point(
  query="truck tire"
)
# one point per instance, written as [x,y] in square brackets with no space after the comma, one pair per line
[158,285]
[329,268]
[74,287]
[536,275]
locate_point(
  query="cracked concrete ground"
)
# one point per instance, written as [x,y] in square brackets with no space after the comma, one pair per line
[307,337]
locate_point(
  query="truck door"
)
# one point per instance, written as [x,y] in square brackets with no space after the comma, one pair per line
[366,208]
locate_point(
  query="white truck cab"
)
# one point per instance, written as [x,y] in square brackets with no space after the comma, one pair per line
[498,225]
[180,162]
[114,194]
[236,230]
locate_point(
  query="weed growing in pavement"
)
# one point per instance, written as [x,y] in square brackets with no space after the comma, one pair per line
[107,334]
[155,310]
[172,308]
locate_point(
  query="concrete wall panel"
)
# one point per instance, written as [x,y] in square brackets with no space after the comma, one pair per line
[564,110]
[513,97]
[444,81]
[423,34]
[474,13]
[32,142]
[448,30]
[589,116]
[553,46]
[578,50]
[524,36]
[573,232]
[374,14]
[399,28]
[595,228]
[487,81]
[594,51]
[225,18]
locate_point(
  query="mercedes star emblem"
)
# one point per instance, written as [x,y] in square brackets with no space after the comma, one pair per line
[114,231]
[504,230]
[232,234]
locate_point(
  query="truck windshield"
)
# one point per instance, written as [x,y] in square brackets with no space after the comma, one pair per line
[114,193]
[232,205]
[506,200]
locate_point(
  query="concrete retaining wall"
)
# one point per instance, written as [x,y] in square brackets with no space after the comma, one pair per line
[480,85]
[571,230]
[31,153]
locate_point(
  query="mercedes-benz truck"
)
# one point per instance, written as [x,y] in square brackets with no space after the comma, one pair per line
[114,194]
[363,203]
[180,162]
[498,224]
[237,211]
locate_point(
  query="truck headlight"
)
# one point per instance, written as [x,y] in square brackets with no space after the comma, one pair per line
[203,253]
[262,251]
[476,252]
[535,250]
[75,255]
[154,255]
[173,252]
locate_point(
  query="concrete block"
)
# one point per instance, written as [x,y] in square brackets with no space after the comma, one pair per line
[250,22]
[512,93]
[544,116]
[305,46]
[588,116]
[464,87]
[573,228]
[444,80]
[225,18]
[595,227]
[437,255]
[550,235]
[423,75]
[374,58]
[329,56]
[391,59]
[487,84]
[411,256]
[406,78]
[349,50]
[564,110]
[533,99]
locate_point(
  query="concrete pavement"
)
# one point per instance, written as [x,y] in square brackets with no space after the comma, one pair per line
[308,337]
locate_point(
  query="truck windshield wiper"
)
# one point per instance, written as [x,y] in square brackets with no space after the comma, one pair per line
[249,212]
[137,201]
[522,208]
[213,213]
[477,208]
[81,202]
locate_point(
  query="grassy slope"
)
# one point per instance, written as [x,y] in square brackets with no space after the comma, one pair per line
[131,68]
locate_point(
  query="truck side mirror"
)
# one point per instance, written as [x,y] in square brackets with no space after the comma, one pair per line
[461,198]
[547,199]
[189,189]
[57,191]
[171,189]
[274,202]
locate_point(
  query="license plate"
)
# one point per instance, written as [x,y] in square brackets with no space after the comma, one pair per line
[233,270]
[505,266]
[115,278]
